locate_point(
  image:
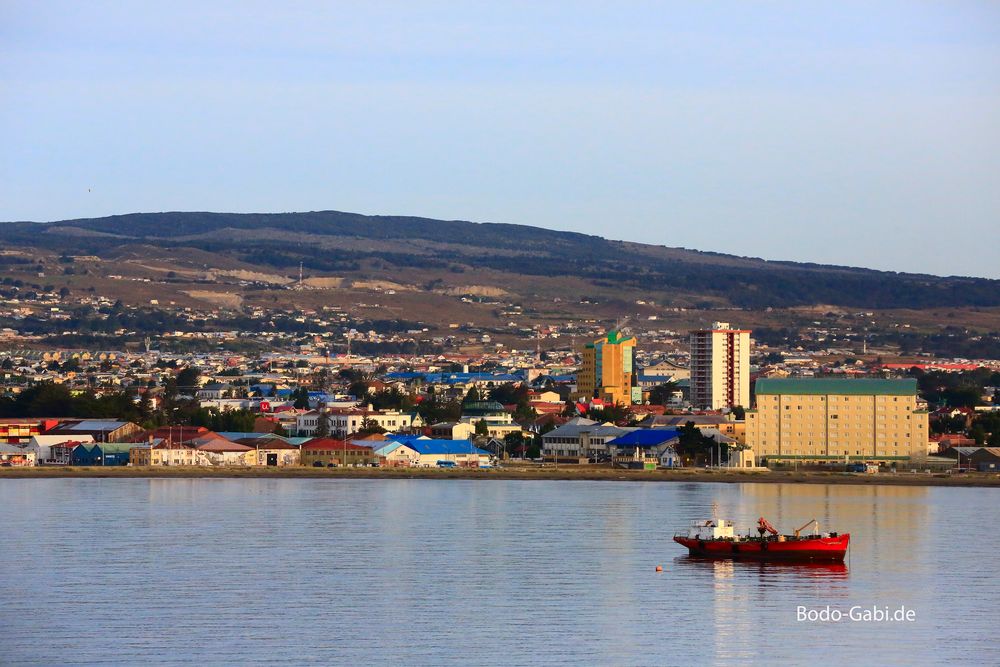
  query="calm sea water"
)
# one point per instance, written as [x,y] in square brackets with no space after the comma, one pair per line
[469,572]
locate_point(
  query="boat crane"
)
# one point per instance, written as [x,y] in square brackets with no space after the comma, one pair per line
[814,521]
[763,525]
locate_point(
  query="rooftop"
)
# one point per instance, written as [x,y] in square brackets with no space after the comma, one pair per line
[830,386]
[646,437]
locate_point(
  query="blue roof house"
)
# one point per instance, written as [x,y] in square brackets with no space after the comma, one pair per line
[658,442]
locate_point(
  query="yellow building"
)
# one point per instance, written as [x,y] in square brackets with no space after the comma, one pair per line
[163,454]
[608,370]
[833,420]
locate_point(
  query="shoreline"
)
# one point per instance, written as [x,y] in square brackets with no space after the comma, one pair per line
[513,472]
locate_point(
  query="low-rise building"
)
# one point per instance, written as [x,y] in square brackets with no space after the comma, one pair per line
[16,431]
[222,452]
[458,452]
[272,450]
[339,452]
[395,454]
[102,454]
[580,440]
[727,424]
[16,456]
[452,430]
[56,449]
[986,459]
[659,444]
[344,422]
[162,453]
[101,430]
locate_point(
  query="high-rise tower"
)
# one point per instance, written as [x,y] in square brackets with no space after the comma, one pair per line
[607,370]
[720,367]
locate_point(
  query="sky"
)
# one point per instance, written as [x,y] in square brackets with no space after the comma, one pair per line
[855,133]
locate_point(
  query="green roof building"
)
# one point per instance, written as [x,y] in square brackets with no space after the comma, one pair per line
[838,386]
[834,420]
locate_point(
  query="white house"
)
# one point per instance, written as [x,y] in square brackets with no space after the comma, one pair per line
[42,446]
[345,422]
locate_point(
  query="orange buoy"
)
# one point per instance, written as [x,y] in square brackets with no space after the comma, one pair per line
[659,568]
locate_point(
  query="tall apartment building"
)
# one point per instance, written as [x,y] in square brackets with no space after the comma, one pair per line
[828,420]
[720,367]
[608,370]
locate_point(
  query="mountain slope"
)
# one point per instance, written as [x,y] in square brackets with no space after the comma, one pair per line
[390,247]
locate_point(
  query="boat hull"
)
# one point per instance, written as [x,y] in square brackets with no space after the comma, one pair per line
[827,549]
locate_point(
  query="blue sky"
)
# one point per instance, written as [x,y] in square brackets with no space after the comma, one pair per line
[864,133]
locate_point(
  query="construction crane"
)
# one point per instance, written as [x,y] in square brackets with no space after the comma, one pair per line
[814,521]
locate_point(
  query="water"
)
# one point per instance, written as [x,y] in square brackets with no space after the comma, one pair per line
[413,572]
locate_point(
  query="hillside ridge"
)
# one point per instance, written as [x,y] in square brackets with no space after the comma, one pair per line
[380,246]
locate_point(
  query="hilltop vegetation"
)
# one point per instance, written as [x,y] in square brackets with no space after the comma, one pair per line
[385,247]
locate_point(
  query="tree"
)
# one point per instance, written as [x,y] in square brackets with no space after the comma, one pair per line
[661,394]
[472,396]
[44,399]
[774,358]
[616,414]
[370,427]
[509,393]
[187,379]
[241,421]
[322,426]
[145,405]
[739,412]
[482,428]
[300,398]
[391,399]
[434,410]
[323,379]
[516,444]
[692,445]
[358,389]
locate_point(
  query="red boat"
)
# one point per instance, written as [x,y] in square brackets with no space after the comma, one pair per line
[713,538]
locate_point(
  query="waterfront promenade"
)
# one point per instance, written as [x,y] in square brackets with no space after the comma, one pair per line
[518,472]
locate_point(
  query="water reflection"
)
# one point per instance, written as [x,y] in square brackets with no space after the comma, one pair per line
[454,572]
[728,569]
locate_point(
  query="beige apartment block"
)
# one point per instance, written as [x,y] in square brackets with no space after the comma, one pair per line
[834,420]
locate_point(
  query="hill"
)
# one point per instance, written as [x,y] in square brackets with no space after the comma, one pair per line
[423,254]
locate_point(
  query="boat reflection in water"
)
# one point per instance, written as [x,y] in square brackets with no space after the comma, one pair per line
[765,569]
